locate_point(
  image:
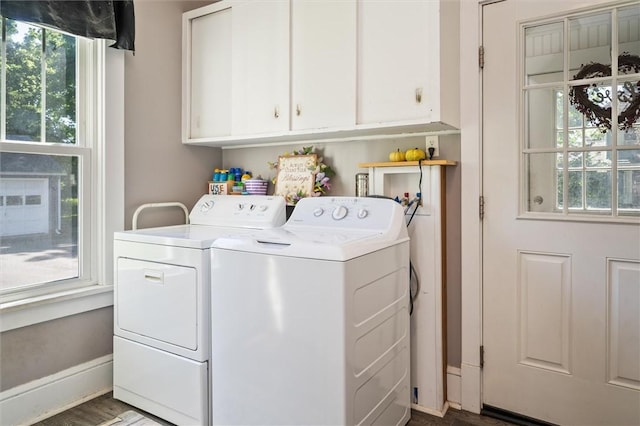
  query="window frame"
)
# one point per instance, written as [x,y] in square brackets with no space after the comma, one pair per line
[100,119]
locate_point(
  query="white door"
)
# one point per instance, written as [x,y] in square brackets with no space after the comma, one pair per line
[561,236]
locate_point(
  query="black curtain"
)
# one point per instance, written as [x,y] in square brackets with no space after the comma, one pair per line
[112,20]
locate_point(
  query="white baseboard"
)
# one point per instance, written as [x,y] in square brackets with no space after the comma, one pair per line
[454,386]
[45,397]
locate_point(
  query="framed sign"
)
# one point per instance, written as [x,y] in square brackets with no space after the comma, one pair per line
[296,176]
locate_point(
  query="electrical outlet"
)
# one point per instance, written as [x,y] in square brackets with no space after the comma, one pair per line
[432,142]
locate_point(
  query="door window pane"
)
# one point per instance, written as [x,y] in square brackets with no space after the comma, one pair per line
[576,160]
[598,190]
[599,159]
[629,102]
[589,40]
[629,182]
[542,122]
[628,192]
[628,18]
[544,47]
[575,189]
[541,182]
[594,102]
[629,136]
[595,137]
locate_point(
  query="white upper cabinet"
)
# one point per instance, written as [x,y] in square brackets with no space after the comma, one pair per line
[260,71]
[323,64]
[206,58]
[407,62]
[260,67]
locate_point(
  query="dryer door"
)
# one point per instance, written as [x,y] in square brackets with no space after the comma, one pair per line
[158,301]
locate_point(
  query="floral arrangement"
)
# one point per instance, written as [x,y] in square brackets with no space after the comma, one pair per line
[323,174]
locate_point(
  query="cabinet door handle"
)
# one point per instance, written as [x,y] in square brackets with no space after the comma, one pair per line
[298,110]
[419,95]
[276,112]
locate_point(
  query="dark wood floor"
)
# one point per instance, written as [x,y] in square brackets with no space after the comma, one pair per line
[105,408]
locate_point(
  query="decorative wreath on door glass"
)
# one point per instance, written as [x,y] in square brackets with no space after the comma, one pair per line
[595,101]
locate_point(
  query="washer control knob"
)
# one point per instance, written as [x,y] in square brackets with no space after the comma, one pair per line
[318,212]
[340,212]
[263,208]
[206,206]
[252,207]
[362,213]
[240,206]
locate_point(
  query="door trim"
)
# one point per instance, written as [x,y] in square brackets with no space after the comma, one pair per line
[471,226]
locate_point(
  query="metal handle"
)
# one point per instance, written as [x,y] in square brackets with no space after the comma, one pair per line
[155,205]
[538,199]
[276,112]
[419,95]
[298,110]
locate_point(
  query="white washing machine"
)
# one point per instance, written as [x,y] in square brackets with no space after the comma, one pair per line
[161,305]
[310,321]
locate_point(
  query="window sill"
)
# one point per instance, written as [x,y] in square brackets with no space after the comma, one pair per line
[48,307]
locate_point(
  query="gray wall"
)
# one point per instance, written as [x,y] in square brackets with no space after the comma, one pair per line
[158,167]
[37,351]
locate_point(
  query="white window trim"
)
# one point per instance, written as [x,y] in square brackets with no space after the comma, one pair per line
[108,186]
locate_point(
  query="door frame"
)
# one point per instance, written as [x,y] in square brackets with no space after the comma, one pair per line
[471,190]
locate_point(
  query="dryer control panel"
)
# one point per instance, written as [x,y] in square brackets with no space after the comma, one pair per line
[248,211]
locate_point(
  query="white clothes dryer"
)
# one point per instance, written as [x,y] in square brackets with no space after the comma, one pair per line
[310,321]
[162,305]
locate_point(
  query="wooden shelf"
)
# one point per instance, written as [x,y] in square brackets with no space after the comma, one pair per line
[408,163]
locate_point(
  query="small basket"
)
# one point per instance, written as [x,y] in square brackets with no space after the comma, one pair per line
[256,186]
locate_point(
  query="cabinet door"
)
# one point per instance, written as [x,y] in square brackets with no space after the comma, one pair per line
[398,60]
[207,75]
[323,48]
[260,67]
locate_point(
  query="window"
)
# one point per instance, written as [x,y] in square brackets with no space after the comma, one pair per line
[32,200]
[581,143]
[48,140]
